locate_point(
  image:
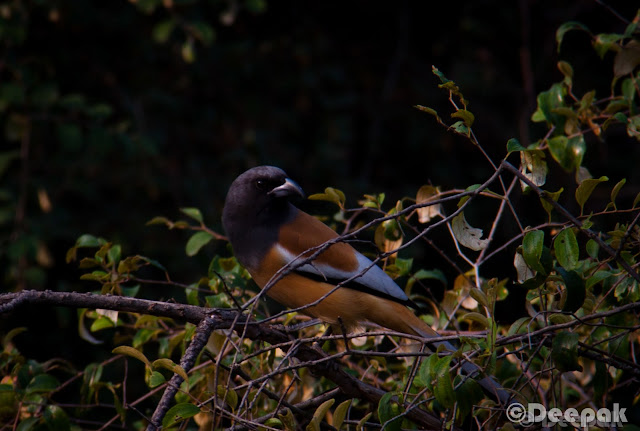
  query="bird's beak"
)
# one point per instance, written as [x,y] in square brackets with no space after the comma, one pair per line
[289,188]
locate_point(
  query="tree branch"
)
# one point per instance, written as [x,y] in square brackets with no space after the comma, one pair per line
[211,319]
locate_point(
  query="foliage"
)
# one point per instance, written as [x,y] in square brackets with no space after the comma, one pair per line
[574,258]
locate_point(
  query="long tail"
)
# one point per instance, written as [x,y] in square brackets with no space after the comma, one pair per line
[401,319]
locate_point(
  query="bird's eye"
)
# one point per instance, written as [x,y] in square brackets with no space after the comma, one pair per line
[261,185]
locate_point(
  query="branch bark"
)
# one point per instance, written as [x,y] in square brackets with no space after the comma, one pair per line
[208,320]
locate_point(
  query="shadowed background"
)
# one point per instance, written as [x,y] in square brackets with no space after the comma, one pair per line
[116,112]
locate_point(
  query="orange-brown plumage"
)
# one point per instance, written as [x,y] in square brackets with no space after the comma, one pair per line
[268,234]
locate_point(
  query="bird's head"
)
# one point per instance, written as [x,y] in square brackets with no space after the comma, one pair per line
[261,193]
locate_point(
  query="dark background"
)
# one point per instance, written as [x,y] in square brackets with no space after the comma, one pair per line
[324,90]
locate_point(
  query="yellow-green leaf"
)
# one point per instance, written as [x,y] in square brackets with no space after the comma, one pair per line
[197,241]
[171,366]
[340,414]
[194,213]
[465,116]
[554,197]
[616,190]
[363,422]
[585,189]
[229,395]
[478,318]
[130,351]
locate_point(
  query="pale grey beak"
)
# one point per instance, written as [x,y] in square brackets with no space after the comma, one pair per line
[289,188]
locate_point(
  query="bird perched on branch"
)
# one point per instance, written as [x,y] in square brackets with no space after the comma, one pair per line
[334,282]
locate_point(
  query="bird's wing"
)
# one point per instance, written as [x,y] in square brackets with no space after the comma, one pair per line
[338,263]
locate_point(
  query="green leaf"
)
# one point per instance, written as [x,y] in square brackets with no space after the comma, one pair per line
[616,190]
[519,326]
[592,248]
[532,249]
[554,197]
[566,27]
[605,42]
[598,277]
[83,331]
[427,371]
[566,248]
[87,240]
[628,90]
[194,213]
[156,379]
[42,383]
[564,351]
[220,300]
[28,424]
[389,412]
[197,241]
[585,189]
[179,413]
[568,152]
[433,274]
[464,199]
[548,101]
[162,30]
[114,254]
[514,145]
[587,100]
[56,418]
[158,220]
[102,322]
[575,290]
[566,69]
[440,75]
[443,390]
[468,394]
[460,127]
[134,353]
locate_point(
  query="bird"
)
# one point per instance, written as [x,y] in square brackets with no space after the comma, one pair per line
[328,279]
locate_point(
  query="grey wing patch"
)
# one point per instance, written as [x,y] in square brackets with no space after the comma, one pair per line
[368,275]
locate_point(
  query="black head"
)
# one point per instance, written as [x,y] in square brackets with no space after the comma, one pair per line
[257,204]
